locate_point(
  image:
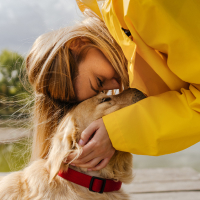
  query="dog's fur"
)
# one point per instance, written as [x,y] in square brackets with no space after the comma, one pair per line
[40,180]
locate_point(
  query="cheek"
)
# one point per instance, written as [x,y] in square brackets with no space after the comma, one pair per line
[82,88]
[106,70]
[110,72]
[78,87]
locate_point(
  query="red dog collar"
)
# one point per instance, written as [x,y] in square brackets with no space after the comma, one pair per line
[95,184]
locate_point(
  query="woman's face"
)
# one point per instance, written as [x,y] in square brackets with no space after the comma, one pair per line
[95,75]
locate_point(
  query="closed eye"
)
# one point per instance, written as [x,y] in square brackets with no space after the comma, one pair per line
[105,99]
[100,82]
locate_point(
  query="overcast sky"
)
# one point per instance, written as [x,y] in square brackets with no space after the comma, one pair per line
[22,21]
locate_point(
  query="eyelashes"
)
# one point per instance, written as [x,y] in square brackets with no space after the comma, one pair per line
[100,82]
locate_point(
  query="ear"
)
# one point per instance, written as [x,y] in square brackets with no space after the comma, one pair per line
[77,43]
[63,143]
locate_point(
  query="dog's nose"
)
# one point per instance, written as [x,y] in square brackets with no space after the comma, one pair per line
[137,95]
[131,96]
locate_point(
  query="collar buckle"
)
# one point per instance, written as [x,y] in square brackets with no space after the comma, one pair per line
[102,187]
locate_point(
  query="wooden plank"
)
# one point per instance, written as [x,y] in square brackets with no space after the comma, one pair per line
[163,187]
[165,174]
[164,180]
[167,196]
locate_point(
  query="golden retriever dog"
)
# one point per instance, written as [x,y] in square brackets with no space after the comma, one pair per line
[40,180]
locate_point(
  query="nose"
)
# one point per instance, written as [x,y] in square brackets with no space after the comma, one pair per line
[111,84]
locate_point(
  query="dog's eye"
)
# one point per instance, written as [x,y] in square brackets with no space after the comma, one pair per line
[105,99]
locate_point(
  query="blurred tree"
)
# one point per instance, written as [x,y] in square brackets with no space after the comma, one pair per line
[13,96]
[11,63]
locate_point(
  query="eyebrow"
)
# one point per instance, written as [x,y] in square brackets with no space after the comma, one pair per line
[97,91]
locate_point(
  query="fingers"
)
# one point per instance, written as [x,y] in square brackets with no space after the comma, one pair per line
[101,165]
[96,164]
[86,150]
[87,133]
[91,164]
[98,151]
[85,159]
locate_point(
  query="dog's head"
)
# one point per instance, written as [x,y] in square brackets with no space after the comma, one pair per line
[70,128]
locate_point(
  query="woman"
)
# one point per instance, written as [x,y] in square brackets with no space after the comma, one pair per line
[158,64]
[56,70]
[163,62]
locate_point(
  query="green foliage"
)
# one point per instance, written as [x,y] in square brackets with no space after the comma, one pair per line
[15,104]
[13,95]
[11,64]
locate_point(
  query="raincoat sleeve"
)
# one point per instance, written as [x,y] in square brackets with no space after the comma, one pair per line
[157,125]
[168,122]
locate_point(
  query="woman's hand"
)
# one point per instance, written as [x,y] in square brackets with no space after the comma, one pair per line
[98,151]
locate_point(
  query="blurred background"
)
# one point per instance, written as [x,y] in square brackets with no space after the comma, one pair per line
[21,22]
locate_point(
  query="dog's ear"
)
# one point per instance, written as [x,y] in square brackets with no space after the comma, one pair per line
[62,145]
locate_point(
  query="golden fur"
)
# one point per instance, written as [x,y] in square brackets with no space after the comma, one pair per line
[39,181]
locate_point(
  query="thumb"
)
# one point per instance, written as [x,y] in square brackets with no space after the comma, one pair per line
[87,133]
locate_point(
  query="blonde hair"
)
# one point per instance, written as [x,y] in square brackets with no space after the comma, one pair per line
[52,67]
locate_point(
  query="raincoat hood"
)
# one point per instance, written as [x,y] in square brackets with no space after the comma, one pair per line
[154,77]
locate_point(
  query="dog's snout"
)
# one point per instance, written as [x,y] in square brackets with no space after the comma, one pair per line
[137,96]
[130,96]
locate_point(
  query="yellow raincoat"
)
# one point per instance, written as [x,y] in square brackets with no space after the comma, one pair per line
[164,62]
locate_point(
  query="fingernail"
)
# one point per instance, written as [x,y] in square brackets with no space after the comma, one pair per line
[89,169]
[81,142]
[72,164]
